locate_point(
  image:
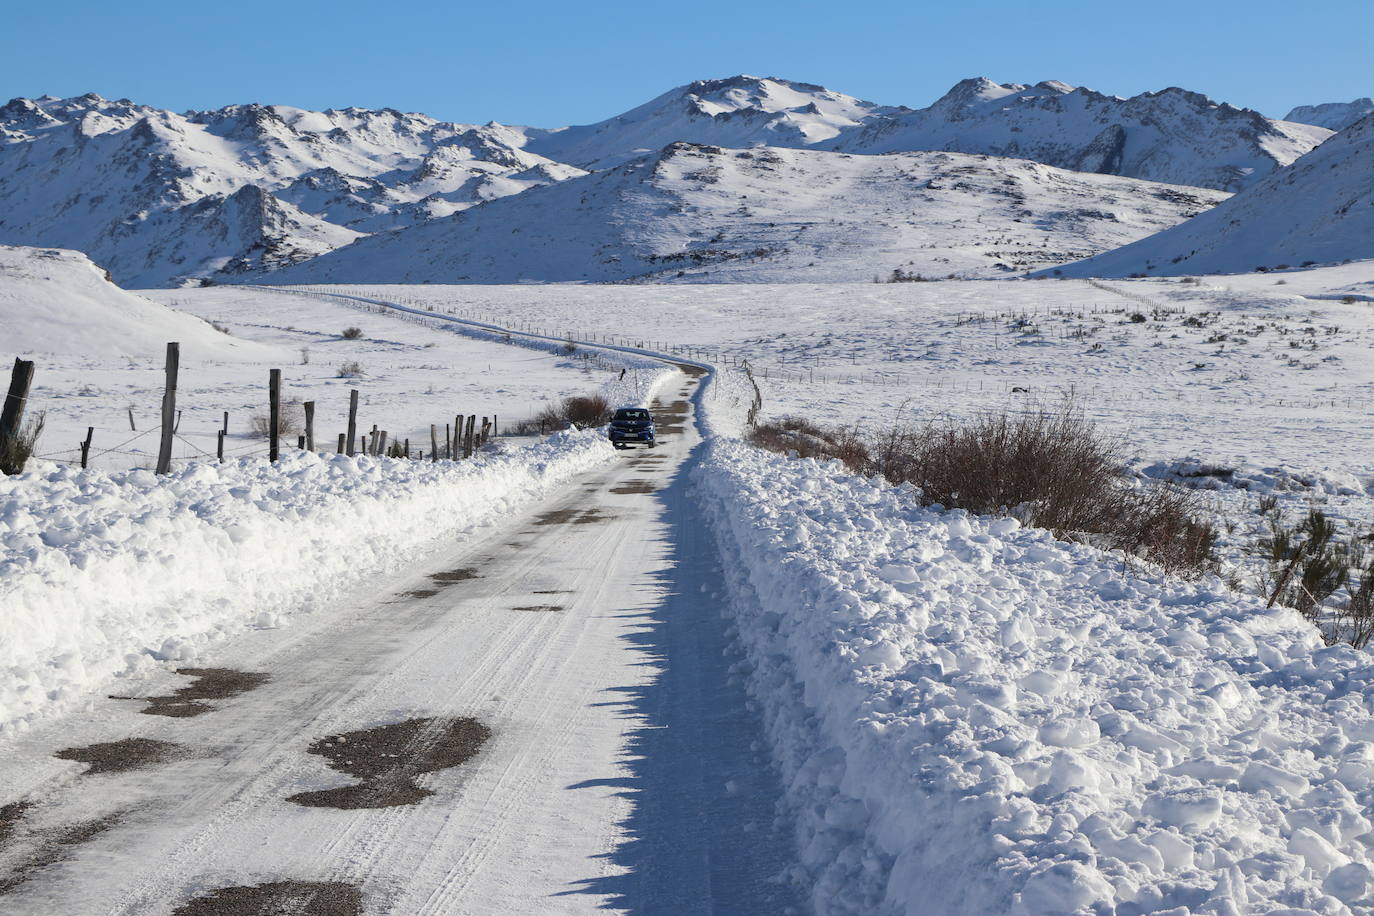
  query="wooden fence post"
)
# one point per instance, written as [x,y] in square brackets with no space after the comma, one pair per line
[273,414]
[457,437]
[300,443]
[219,445]
[226,423]
[12,416]
[448,441]
[169,409]
[433,442]
[343,443]
[132,427]
[467,436]
[381,444]
[86,446]
[352,419]
[310,425]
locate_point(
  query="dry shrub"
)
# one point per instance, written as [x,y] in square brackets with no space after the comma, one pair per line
[290,420]
[582,411]
[351,333]
[808,440]
[1049,467]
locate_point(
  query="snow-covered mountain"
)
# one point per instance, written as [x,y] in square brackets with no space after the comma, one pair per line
[159,197]
[58,302]
[1332,115]
[1172,135]
[765,214]
[738,112]
[164,199]
[1319,210]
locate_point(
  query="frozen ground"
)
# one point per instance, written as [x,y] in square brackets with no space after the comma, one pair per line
[967,718]
[1288,386]
[409,375]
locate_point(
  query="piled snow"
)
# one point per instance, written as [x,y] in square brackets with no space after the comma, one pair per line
[766,214]
[1332,115]
[973,718]
[57,303]
[104,574]
[1319,210]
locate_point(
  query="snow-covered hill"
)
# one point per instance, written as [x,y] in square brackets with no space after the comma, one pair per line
[741,111]
[1319,210]
[765,214]
[57,302]
[1332,115]
[164,199]
[1172,135]
[159,198]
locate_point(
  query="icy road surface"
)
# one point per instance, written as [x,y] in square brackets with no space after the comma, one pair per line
[541,723]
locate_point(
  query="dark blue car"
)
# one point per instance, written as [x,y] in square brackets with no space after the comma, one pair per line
[632,426]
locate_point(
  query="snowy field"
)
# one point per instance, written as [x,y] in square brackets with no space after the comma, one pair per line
[408,375]
[968,717]
[1233,373]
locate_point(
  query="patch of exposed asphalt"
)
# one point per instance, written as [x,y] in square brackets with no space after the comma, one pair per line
[10,816]
[556,517]
[539,607]
[592,517]
[52,847]
[552,591]
[386,761]
[420,593]
[122,756]
[209,684]
[298,898]
[634,486]
[454,575]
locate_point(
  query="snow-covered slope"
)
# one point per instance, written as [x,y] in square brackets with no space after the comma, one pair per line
[765,214]
[58,302]
[1319,210]
[1172,135]
[740,111]
[158,197]
[1332,115]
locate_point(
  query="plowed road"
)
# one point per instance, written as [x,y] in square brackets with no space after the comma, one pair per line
[539,722]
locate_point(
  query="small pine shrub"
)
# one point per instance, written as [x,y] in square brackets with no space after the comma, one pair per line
[351,333]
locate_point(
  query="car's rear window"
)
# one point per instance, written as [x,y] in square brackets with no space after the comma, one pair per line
[631,414]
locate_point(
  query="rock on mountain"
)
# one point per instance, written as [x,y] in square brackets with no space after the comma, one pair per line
[1172,135]
[740,111]
[159,198]
[1332,115]
[58,302]
[705,213]
[1319,210]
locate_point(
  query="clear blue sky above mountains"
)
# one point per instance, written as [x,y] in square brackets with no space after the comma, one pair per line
[550,64]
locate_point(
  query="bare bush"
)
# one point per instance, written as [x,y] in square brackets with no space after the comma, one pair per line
[290,420]
[351,333]
[351,369]
[805,439]
[16,450]
[582,411]
[1049,468]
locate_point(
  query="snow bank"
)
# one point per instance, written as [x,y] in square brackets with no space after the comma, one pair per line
[973,718]
[54,301]
[101,575]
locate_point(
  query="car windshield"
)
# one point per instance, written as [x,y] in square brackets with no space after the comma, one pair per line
[631,413]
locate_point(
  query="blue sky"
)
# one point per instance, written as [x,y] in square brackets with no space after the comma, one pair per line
[561,63]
